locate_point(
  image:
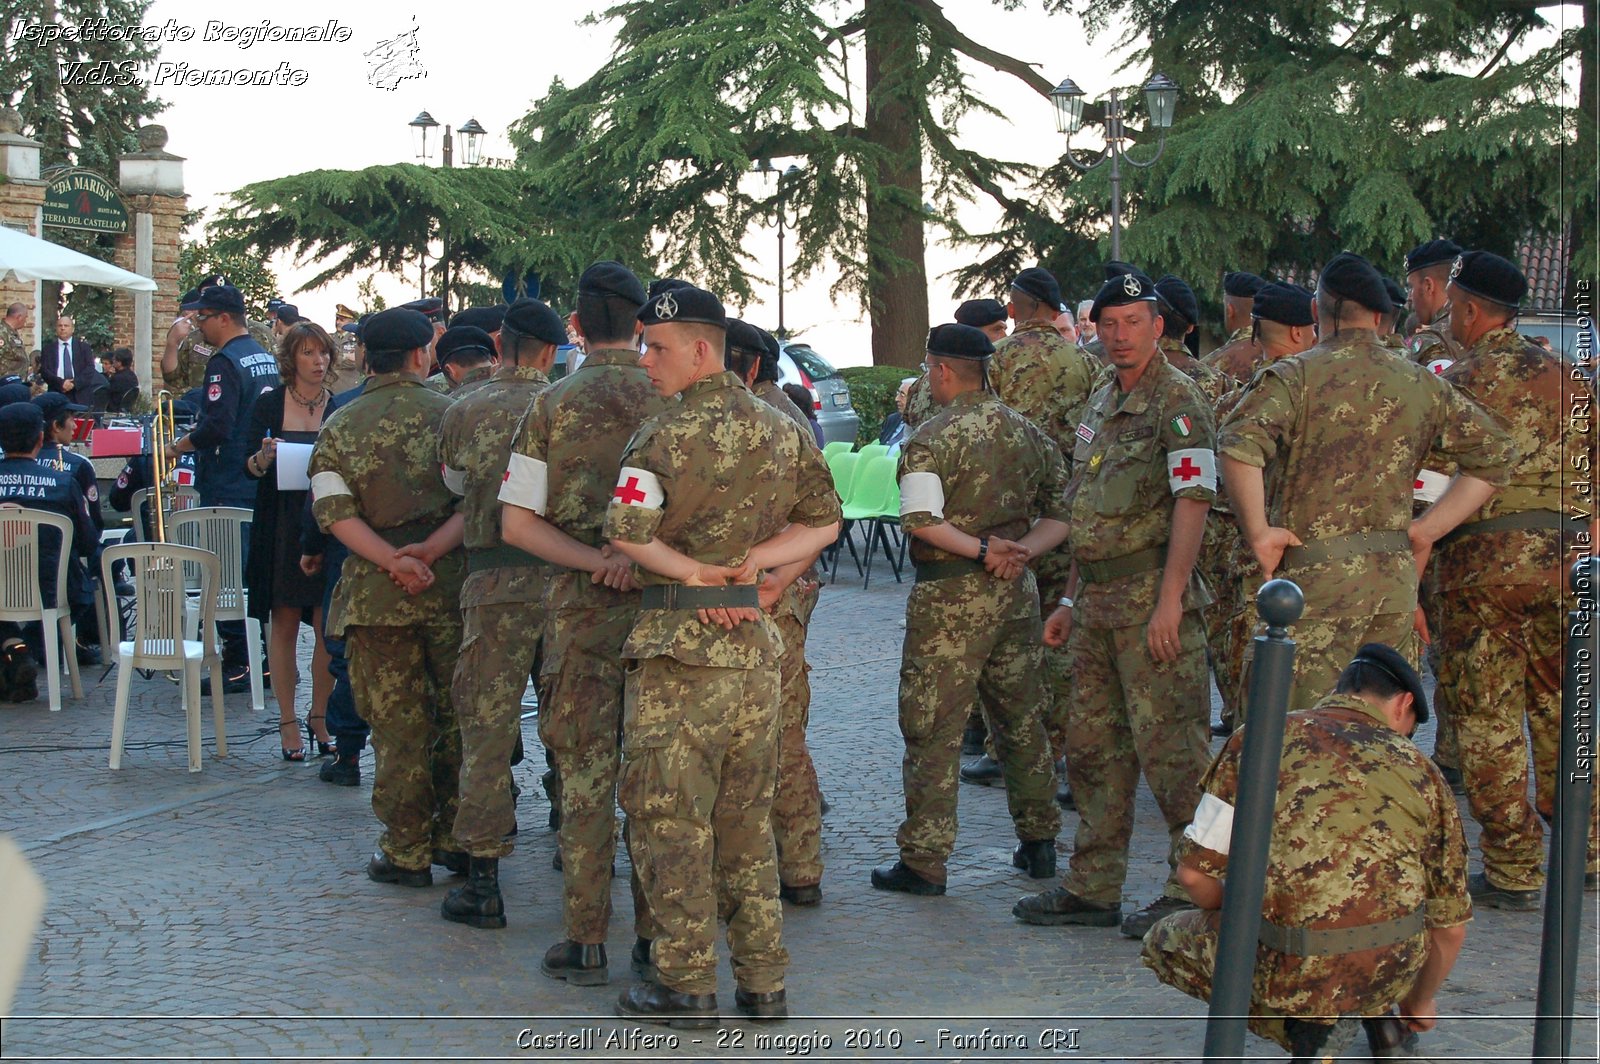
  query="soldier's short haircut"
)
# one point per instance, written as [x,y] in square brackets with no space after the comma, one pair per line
[1173,325]
[969,370]
[740,360]
[1487,307]
[717,338]
[15,308]
[385,361]
[1334,309]
[606,319]
[1365,677]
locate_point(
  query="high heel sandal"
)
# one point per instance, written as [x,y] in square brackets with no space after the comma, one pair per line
[291,755]
[324,749]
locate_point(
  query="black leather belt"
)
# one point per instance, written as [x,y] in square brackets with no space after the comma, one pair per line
[504,556]
[683,597]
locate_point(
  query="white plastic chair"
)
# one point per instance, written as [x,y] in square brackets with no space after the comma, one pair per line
[162,573]
[220,530]
[21,599]
[183,498]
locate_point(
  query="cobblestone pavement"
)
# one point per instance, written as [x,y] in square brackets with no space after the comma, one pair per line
[225,915]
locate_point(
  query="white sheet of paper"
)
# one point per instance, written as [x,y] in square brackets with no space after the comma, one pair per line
[293,458]
[23,892]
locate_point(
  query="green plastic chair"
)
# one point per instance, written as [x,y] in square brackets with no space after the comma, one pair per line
[875,500]
[837,447]
[873,450]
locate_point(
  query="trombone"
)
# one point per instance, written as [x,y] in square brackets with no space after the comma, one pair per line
[163,432]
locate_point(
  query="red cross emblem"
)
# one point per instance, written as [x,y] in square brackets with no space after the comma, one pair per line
[629,492]
[1186,470]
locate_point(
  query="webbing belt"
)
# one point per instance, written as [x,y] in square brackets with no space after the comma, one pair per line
[1382,541]
[1323,941]
[1523,519]
[947,570]
[504,556]
[683,597]
[1140,561]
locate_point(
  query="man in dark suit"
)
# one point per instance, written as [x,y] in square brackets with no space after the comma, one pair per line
[67,361]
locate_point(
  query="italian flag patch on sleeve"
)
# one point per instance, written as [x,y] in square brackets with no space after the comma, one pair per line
[1182,425]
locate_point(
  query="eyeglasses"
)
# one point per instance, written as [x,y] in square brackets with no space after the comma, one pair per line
[203,316]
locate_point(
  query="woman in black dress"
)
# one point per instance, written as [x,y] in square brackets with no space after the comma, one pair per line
[280,592]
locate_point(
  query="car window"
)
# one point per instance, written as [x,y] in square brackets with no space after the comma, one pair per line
[816,367]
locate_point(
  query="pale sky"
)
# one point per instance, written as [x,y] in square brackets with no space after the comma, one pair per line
[491,61]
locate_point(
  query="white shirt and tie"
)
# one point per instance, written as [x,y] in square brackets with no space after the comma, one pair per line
[64,359]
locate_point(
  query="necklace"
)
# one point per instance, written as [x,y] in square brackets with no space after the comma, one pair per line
[309,404]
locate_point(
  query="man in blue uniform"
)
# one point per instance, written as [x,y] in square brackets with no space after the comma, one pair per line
[60,424]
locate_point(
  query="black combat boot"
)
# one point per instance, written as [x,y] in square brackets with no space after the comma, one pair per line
[478,902]
[578,963]
[1037,858]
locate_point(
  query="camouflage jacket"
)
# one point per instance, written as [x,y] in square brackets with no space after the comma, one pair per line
[1136,453]
[1214,384]
[564,460]
[981,466]
[1532,396]
[774,396]
[1365,831]
[1237,357]
[470,381]
[919,404]
[790,602]
[1433,345]
[194,353]
[1343,430]
[377,458]
[712,478]
[1043,377]
[13,353]
[474,446]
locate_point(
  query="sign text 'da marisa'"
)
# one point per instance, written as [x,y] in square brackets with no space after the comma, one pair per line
[80,199]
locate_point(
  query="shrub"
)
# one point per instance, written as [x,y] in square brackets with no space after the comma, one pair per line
[872,391]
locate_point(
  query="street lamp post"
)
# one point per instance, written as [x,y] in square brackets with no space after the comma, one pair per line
[765,168]
[471,134]
[1161,96]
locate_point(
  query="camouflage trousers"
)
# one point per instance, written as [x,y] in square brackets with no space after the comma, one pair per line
[1133,713]
[699,761]
[498,644]
[1446,747]
[1051,573]
[958,650]
[401,680]
[1181,949]
[1228,619]
[797,800]
[1500,656]
[1322,649]
[580,723]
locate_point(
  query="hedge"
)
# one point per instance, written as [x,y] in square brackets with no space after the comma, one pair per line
[872,391]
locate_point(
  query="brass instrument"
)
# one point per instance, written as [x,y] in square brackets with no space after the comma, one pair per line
[163,433]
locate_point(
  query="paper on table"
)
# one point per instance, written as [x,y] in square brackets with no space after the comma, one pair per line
[293,458]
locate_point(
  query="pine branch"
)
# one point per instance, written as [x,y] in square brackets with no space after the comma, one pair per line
[947,33]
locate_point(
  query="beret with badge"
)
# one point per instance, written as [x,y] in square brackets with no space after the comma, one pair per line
[1432,253]
[980,312]
[1488,276]
[1121,290]
[959,341]
[533,317]
[1349,276]
[1284,303]
[685,305]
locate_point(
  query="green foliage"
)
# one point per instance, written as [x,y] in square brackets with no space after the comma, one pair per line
[371,301]
[872,390]
[248,273]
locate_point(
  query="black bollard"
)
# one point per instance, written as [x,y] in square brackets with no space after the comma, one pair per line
[1280,603]
[1569,836]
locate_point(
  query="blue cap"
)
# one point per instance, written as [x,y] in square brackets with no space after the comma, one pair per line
[217,297]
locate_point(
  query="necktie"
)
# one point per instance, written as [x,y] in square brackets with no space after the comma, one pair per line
[65,361]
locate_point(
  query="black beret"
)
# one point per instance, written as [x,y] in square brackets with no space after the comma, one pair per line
[1176,294]
[662,284]
[1397,293]
[685,304]
[1488,276]
[16,393]
[190,296]
[273,304]
[463,340]
[959,341]
[1121,290]
[1118,268]
[1242,284]
[223,297]
[774,349]
[607,278]
[289,314]
[532,317]
[1284,303]
[1431,254]
[431,308]
[1386,659]
[746,337]
[980,312]
[21,418]
[486,318]
[1349,276]
[1040,283]
[396,329]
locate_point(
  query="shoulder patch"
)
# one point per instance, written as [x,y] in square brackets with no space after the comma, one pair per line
[1085,433]
[1182,425]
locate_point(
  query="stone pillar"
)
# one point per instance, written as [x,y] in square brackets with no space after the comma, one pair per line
[152,185]
[21,207]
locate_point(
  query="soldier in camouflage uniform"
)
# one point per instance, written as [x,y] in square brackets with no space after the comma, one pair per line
[467,368]
[1366,903]
[710,493]
[1502,581]
[1284,326]
[502,612]
[789,594]
[191,352]
[1145,474]
[1428,278]
[561,475]
[972,622]
[14,359]
[376,487]
[1239,353]
[1180,311]
[1343,430]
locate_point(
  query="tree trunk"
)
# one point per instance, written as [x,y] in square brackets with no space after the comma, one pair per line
[1583,242]
[897,276]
